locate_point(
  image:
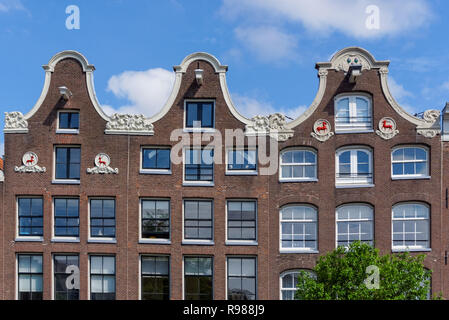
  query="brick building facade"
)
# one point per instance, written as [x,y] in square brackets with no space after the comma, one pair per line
[93,191]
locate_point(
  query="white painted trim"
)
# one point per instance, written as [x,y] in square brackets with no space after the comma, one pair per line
[410,176]
[52,223]
[103,239]
[200,129]
[19,238]
[372,220]
[155,241]
[342,182]
[65,181]
[352,105]
[67,131]
[198,241]
[306,179]
[242,242]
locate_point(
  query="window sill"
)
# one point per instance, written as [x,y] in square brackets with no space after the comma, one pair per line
[241,243]
[198,242]
[241,173]
[29,239]
[100,240]
[347,186]
[410,178]
[298,251]
[411,250]
[151,171]
[197,184]
[67,131]
[66,182]
[200,130]
[154,241]
[67,239]
[297,180]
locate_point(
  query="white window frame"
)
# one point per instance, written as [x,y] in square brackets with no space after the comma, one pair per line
[412,248]
[354,182]
[60,238]
[143,255]
[305,179]
[196,183]
[241,242]
[205,242]
[20,238]
[154,241]
[186,101]
[91,239]
[66,181]
[67,131]
[89,274]
[351,127]
[256,272]
[154,171]
[233,172]
[298,250]
[410,176]
[287,272]
[337,220]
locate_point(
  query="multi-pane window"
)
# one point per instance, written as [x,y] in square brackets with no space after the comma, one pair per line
[289,282]
[242,278]
[156,158]
[300,164]
[102,218]
[30,277]
[354,166]
[411,224]
[102,278]
[198,278]
[66,281]
[354,223]
[199,165]
[242,220]
[353,113]
[155,281]
[298,228]
[69,120]
[199,115]
[409,162]
[198,222]
[242,160]
[66,212]
[156,219]
[68,163]
[31,217]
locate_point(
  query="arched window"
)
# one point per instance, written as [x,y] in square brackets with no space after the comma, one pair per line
[298,225]
[298,164]
[289,282]
[354,223]
[353,114]
[354,166]
[411,226]
[409,162]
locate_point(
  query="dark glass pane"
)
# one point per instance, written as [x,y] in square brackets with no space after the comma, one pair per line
[191,114]
[61,171]
[75,155]
[74,120]
[74,171]
[149,158]
[61,155]
[163,160]
[60,207]
[207,116]
[64,120]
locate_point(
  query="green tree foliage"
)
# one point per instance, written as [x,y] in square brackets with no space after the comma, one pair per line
[342,275]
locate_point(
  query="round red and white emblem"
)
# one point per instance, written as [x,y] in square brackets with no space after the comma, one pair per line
[30,159]
[322,127]
[387,125]
[102,160]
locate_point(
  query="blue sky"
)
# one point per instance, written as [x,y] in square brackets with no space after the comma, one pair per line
[271,47]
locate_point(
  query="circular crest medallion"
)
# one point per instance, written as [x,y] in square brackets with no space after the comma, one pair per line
[30,159]
[102,160]
[322,127]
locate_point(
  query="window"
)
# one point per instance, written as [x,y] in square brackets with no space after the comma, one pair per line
[102,278]
[199,165]
[199,114]
[155,280]
[242,221]
[298,165]
[298,228]
[156,219]
[102,218]
[241,161]
[241,278]
[66,214]
[354,223]
[68,163]
[198,222]
[353,113]
[354,167]
[31,217]
[66,287]
[155,159]
[289,282]
[68,121]
[411,226]
[410,162]
[30,277]
[198,278]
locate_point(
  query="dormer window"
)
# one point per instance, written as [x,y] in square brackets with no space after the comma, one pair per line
[353,113]
[199,115]
[68,122]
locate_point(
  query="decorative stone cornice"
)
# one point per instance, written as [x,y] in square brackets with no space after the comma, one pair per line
[131,124]
[273,125]
[15,122]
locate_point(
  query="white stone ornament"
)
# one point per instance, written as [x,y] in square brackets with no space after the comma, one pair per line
[102,162]
[322,130]
[133,124]
[30,161]
[15,122]
[387,128]
[273,125]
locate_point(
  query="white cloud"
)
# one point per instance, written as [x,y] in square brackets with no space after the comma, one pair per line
[9,5]
[251,107]
[324,16]
[147,91]
[268,43]
[401,94]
